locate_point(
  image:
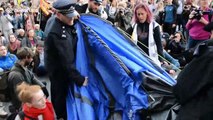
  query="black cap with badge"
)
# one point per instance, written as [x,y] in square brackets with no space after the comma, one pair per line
[66,7]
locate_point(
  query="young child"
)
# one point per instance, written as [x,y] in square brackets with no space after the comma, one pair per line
[34,102]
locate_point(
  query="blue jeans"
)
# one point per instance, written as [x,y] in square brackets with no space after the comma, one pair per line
[192,43]
[175,62]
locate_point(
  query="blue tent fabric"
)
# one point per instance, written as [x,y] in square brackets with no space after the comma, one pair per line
[85,101]
[113,65]
[119,44]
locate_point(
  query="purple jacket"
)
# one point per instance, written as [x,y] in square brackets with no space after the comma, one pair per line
[196,29]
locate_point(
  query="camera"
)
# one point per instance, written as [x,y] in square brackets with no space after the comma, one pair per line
[174,37]
[121,10]
[198,13]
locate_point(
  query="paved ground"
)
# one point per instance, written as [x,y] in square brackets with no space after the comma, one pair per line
[6,105]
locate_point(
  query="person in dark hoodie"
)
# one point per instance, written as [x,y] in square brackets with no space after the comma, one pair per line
[194,88]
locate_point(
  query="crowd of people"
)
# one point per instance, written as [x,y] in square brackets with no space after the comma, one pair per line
[168,31]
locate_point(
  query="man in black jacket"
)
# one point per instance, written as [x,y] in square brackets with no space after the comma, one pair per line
[59,52]
[19,74]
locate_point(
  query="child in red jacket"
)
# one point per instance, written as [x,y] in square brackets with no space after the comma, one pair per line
[34,102]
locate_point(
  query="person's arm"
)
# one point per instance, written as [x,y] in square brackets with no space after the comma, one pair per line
[129,30]
[163,16]
[189,22]
[103,13]
[43,36]
[127,17]
[116,16]
[5,41]
[175,15]
[43,87]
[157,38]
[174,62]
[8,17]
[35,81]
[203,20]
[66,53]
[23,42]
[14,58]
[14,79]
[182,46]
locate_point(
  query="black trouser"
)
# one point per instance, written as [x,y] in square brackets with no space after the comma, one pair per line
[167,27]
[180,22]
[59,90]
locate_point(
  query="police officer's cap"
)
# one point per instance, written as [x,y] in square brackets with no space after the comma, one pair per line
[209,27]
[66,7]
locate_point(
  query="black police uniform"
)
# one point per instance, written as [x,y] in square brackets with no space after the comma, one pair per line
[60,46]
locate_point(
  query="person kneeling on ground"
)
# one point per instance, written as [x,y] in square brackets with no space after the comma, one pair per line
[20,73]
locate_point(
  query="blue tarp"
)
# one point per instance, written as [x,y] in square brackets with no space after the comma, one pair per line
[113,65]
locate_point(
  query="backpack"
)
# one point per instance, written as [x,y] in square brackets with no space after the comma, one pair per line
[4,87]
[21,116]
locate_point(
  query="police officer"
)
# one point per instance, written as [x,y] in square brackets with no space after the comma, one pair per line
[60,46]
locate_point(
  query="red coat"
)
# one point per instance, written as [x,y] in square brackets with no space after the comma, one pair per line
[47,112]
